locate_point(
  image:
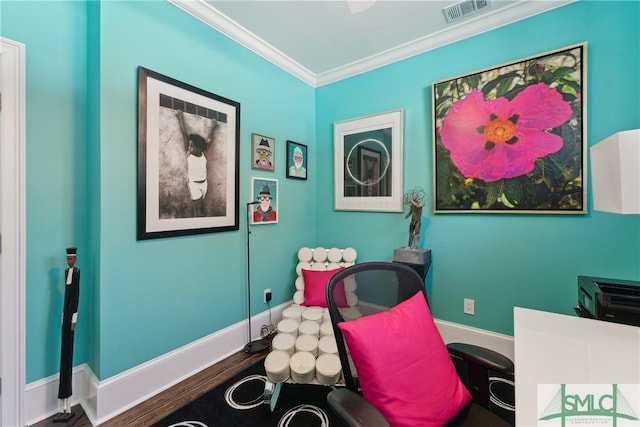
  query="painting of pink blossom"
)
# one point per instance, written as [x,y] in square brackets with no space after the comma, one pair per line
[511,138]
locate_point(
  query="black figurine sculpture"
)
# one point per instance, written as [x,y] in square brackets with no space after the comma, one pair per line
[69,320]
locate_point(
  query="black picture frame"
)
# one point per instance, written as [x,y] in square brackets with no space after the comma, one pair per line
[369,168]
[295,171]
[180,194]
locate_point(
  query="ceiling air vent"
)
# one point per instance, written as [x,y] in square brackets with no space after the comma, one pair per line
[464,8]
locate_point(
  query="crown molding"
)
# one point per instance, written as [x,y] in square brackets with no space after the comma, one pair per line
[460,31]
[204,12]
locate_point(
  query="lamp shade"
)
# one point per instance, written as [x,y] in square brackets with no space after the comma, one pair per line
[615,173]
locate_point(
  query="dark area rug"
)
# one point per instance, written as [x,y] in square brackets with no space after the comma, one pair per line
[213,410]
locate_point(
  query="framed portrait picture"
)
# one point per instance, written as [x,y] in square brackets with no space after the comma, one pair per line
[296,160]
[263,152]
[511,138]
[188,151]
[265,193]
[371,164]
[368,163]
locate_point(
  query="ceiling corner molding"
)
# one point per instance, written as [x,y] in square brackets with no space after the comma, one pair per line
[469,28]
[202,11]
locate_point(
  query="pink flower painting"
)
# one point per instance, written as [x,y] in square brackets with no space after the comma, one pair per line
[511,138]
[500,138]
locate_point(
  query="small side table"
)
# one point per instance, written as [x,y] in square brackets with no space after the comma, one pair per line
[418,259]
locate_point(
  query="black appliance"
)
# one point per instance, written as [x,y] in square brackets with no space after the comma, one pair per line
[609,299]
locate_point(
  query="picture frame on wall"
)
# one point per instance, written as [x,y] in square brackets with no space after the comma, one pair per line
[188,159]
[265,192]
[512,138]
[368,163]
[371,161]
[263,152]
[297,165]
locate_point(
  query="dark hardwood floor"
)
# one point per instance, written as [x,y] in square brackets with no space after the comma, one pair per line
[173,398]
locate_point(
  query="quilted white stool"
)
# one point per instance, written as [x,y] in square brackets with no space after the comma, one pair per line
[309,326]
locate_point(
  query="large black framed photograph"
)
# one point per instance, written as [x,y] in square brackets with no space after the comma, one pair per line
[188,159]
[511,138]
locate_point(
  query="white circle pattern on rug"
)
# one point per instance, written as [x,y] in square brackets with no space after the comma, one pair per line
[228,395]
[189,424]
[288,416]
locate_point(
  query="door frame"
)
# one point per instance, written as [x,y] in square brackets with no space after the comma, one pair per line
[13,281]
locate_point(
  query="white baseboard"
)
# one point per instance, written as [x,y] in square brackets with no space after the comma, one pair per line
[103,400]
[455,332]
[41,397]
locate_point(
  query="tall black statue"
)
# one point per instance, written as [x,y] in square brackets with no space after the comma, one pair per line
[69,320]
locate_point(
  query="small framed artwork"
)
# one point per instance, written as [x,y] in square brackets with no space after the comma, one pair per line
[370,171]
[511,138]
[296,160]
[264,192]
[263,152]
[188,151]
[368,163]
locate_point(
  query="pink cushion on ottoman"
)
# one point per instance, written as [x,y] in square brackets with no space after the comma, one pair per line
[315,284]
[404,368]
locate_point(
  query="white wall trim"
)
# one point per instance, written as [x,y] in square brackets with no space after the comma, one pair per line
[455,332]
[42,395]
[205,12]
[12,288]
[103,400]
[463,30]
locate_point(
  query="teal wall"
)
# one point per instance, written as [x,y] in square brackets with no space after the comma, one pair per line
[56,149]
[501,261]
[156,295]
[141,299]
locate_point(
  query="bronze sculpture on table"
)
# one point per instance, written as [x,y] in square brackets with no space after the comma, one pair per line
[415,199]
[69,320]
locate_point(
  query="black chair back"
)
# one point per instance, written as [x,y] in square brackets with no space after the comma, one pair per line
[370,288]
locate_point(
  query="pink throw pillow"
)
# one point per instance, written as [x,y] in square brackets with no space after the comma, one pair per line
[403,365]
[315,284]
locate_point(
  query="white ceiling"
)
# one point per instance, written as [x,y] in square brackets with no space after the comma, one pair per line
[320,41]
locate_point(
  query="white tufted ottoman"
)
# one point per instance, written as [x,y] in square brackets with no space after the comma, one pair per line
[313,358]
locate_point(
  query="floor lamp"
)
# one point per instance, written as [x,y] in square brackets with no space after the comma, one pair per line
[261,344]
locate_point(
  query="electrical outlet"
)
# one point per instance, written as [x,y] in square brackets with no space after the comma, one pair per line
[469,306]
[267,295]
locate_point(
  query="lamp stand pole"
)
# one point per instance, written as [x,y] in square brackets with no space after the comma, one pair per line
[261,344]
